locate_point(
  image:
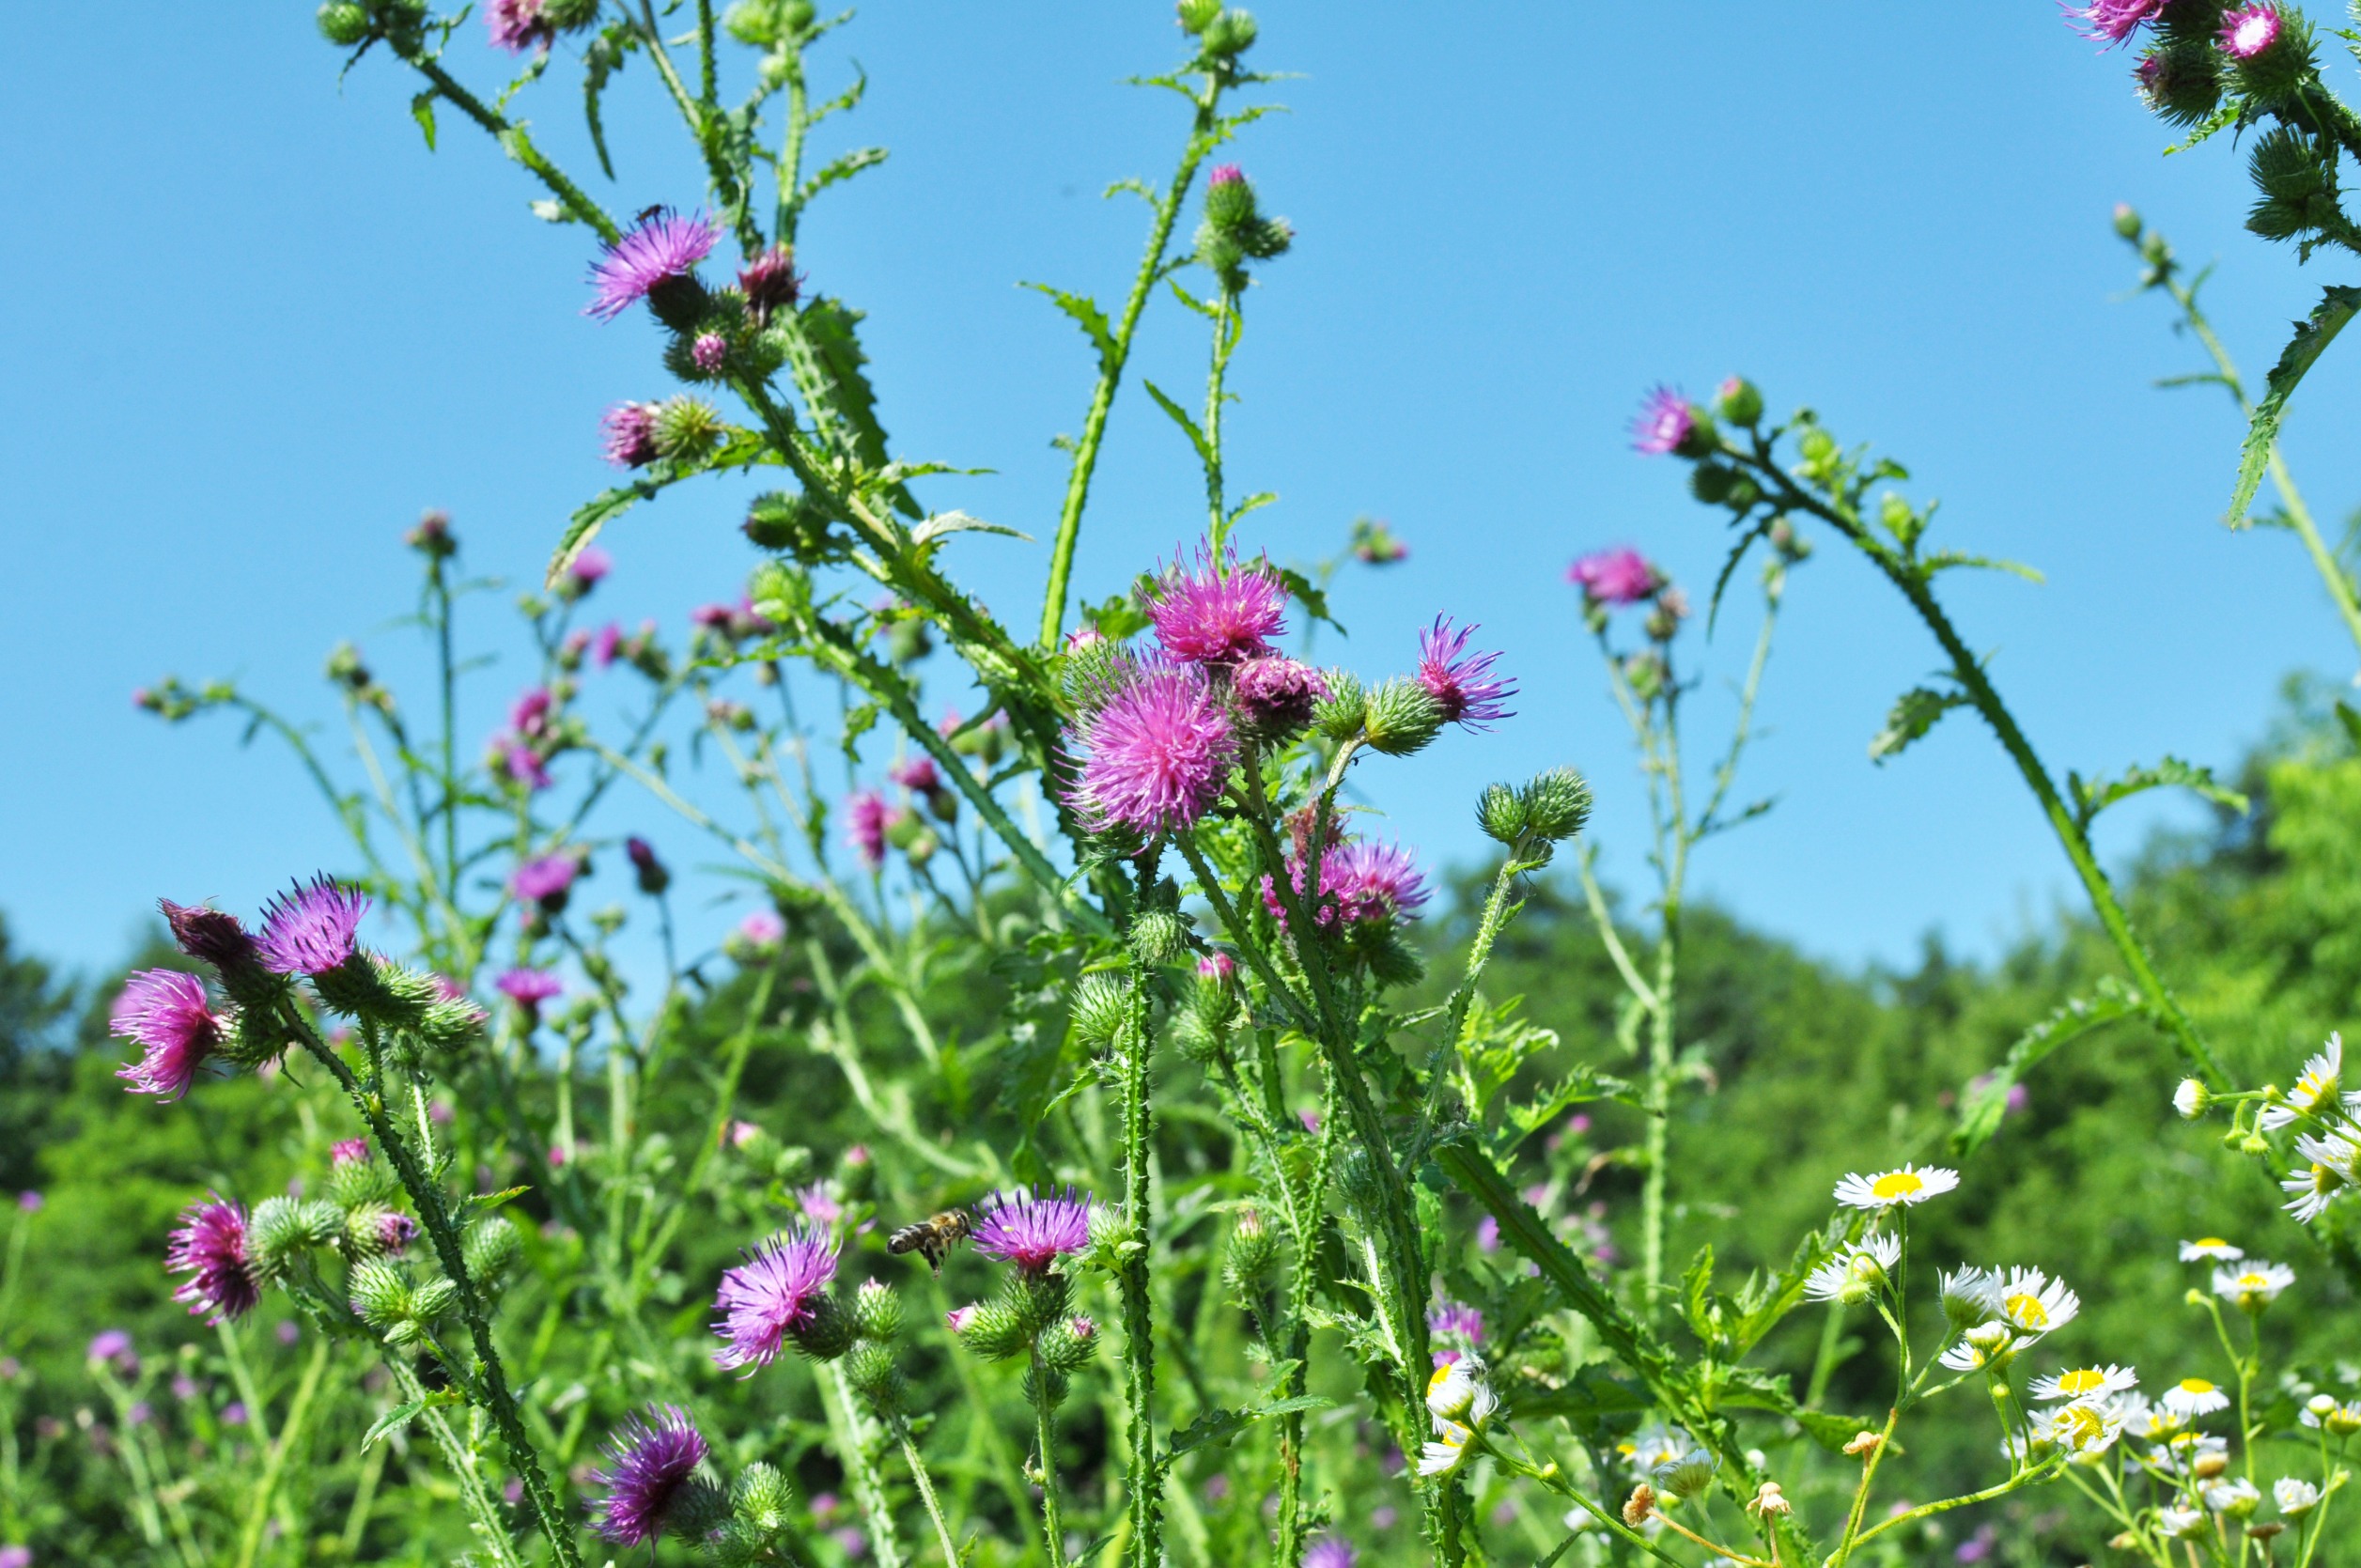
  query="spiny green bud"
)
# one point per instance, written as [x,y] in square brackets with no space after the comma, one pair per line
[357,1178]
[686,427]
[794,523]
[379,1292]
[253,1036]
[1093,670]
[343,23]
[434,1299]
[1711,483]
[1340,714]
[1099,1004]
[1557,804]
[869,1367]
[1739,401]
[826,1333]
[696,1511]
[1045,1385]
[1252,1248]
[373,1229]
[1197,15]
[1158,936]
[491,1247]
[994,1329]
[876,1312]
[1502,813]
[1357,1179]
[765,22]
[1229,34]
[1069,1344]
[1040,1299]
[762,1499]
[1403,718]
[282,1229]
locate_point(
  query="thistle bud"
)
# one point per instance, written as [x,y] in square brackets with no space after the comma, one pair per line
[993,1329]
[1197,15]
[1557,804]
[876,1312]
[653,878]
[1502,813]
[380,1293]
[686,428]
[376,1230]
[1403,718]
[1252,1248]
[1739,401]
[1097,1008]
[762,1499]
[434,1299]
[2269,49]
[1158,936]
[869,1367]
[1340,714]
[491,1247]
[283,1230]
[1068,1344]
[1711,483]
[1229,34]
[343,23]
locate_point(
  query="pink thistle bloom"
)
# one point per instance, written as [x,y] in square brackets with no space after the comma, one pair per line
[1487,1234]
[529,988]
[772,1295]
[590,565]
[867,818]
[396,1232]
[604,644]
[1277,693]
[525,765]
[956,1320]
[168,1014]
[1331,1551]
[517,25]
[769,283]
[529,715]
[1204,616]
[1031,1230]
[349,1151]
[762,929]
[649,1459]
[1460,682]
[1160,751]
[851,1541]
[1217,966]
[917,775]
[2250,31]
[1372,881]
[208,935]
[1665,422]
[709,351]
[2111,20]
[210,1247]
[741,1133]
[713,618]
[308,929]
[113,1345]
[627,435]
[1226,174]
[1619,576]
[664,247]
[30,1202]
[1457,1319]
[820,1205]
[857,1157]
[546,880]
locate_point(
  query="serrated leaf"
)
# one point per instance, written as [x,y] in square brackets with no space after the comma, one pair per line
[484,1203]
[944,524]
[1754,1389]
[422,110]
[1986,1100]
[2312,336]
[1915,713]
[832,328]
[1180,416]
[838,171]
[2220,119]
[1220,1425]
[393,1421]
[1944,560]
[600,61]
[1119,618]
[2092,798]
[1086,315]
[1308,594]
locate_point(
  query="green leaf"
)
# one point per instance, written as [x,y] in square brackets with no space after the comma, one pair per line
[1313,599]
[1943,560]
[2094,798]
[484,1203]
[1986,1100]
[1914,714]
[1590,1396]
[741,449]
[1700,1303]
[1180,416]
[394,1420]
[1086,313]
[2220,119]
[2351,720]
[2312,336]
[944,524]
[1755,1388]
[832,328]
[1220,1425]
[600,61]
[838,171]
[1117,619]
[422,110]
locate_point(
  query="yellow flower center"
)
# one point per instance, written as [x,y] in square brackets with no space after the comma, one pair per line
[2196,1386]
[1442,1375]
[2312,1088]
[2079,1383]
[2253,1282]
[1895,1184]
[2027,1309]
[2212,1241]
[2079,1425]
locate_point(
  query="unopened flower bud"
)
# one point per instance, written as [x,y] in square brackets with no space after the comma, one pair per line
[876,1312]
[1068,1343]
[1403,718]
[1342,713]
[1158,936]
[1252,1248]
[1738,401]
[2127,222]
[1229,34]
[2192,1099]
[685,427]
[1557,804]
[343,23]
[1099,1004]
[1501,814]
[491,1247]
[1197,15]
[826,1333]
[380,1293]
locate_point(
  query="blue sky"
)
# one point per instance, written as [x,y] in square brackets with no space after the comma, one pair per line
[253,327]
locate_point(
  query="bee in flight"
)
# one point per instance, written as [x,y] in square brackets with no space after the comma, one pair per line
[648,215]
[934,1236]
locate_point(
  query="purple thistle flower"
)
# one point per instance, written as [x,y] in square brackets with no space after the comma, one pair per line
[761,930]
[530,713]
[1487,1234]
[525,767]
[820,1205]
[1665,424]
[2249,31]
[1457,1318]
[170,1015]
[396,1231]
[1217,964]
[1031,1230]
[1277,694]
[666,246]
[113,1345]
[917,775]
[1160,751]
[709,351]
[653,878]
[627,435]
[1329,1551]
[1226,174]
[772,1296]
[210,1247]
[308,929]
[349,1151]
[208,935]
[769,283]
[529,988]
[605,643]
[517,26]
[1618,577]
[2110,20]
[590,565]
[1460,682]
[546,880]
[866,819]
[1208,616]
[30,1202]
[16,1557]
[649,1459]
[1372,881]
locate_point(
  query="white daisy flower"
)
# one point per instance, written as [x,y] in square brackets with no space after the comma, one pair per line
[2315,1409]
[2084,1430]
[2238,1498]
[2211,1247]
[2295,1498]
[1853,1274]
[2254,1287]
[1910,1185]
[2316,1087]
[1655,1446]
[1987,1347]
[2179,1523]
[2192,1097]
[2085,1384]
[1970,1296]
[1457,1391]
[2311,1191]
[2195,1396]
[1448,1449]
[2034,1303]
